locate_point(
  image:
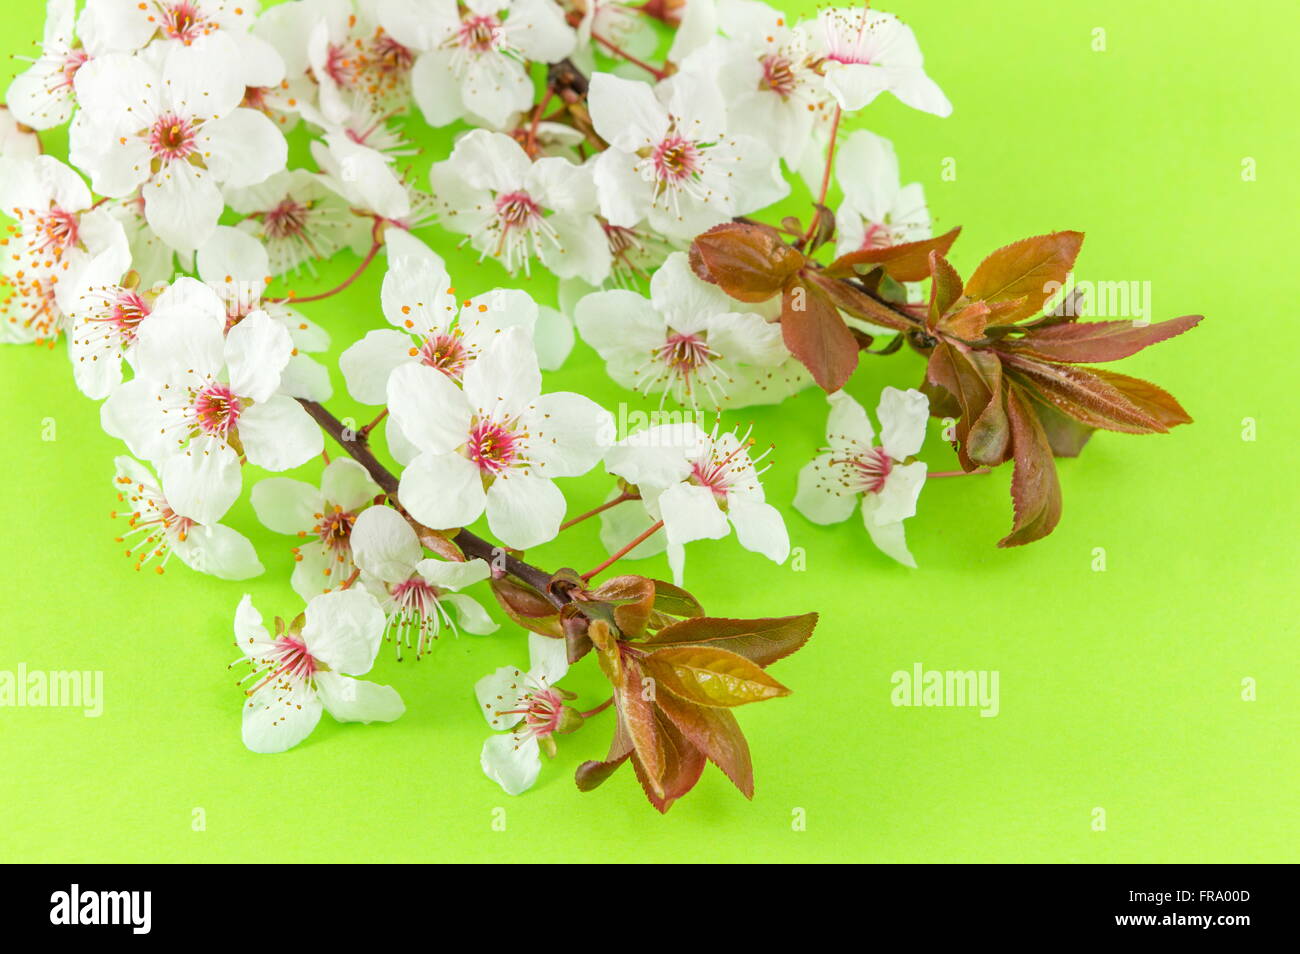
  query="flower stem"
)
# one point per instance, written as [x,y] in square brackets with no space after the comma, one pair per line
[599,709]
[826,173]
[470,544]
[624,551]
[376,243]
[364,433]
[624,496]
[959,473]
[617,50]
[530,144]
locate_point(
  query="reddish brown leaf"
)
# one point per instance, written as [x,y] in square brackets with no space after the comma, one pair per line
[816,334]
[1033,268]
[1035,488]
[633,598]
[608,652]
[749,262]
[1153,401]
[527,607]
[857,302]
[969,323]
[675,603]
[942,402]
[945,288]
[637,713]
[761,641]
[974,378]
[716,733]
[592,773]
[1085,395]
[1098,340]
[682,765]
[439,543]
[1066,435]
[909,262]
[708,676]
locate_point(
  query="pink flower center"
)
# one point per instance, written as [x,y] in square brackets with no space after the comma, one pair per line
[685,353]
[446,353]
[172,138]
[125,311]
[334,529]
[493,447]
[287,220]
[848,37]
[676,159]
[216,410]
[479,33]
[622,240]
[58,231]
[876,236]
[778,75]
[154,529]
[872,469]
[414,594]
[721,474]
[712,475]
[339,67]
[74,61]
[390,57]
[288,663]
[185,22]
[542,712]
[416,617]
[517,210]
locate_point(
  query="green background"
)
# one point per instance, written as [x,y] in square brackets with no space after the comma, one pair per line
[1119,689]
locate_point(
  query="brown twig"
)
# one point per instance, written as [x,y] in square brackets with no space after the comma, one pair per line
[470,544]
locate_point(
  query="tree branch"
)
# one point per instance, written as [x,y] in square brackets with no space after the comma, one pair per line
[471,544]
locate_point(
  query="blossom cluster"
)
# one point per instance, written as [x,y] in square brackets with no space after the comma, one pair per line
[590,139]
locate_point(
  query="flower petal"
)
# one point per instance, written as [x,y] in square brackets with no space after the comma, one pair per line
[442,490]
[347,484]
[384,545]
[759,527]
[343,629]
[498,693]
[473,617]
[512,762]
[888,537]
[219,551]
[358,700]
[257,349]
[548,659]
[203,481]
[897,499]
[286,505]
[823,495]
[448,574]
[278,434]
[431,411]
[524,511]
[276,722]
[903,416]
[691,512]
[568,433]
[505,378]
[367,365]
